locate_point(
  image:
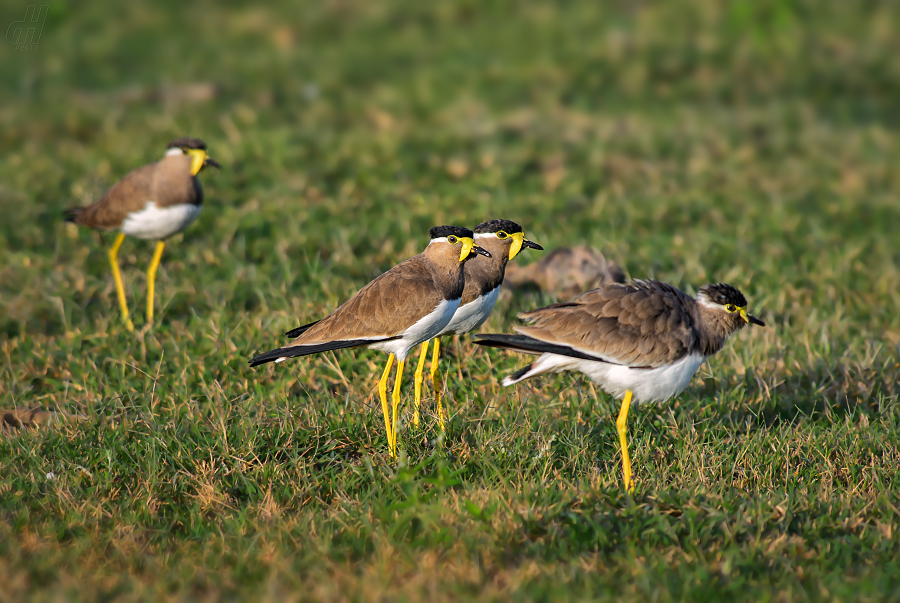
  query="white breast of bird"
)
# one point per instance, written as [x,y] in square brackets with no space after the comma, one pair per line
[155,223]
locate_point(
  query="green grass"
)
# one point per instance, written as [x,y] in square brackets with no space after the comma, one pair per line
[692,141]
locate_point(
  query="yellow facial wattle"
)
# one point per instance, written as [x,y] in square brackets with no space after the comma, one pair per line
[467,244]
[198,158]
[518,238]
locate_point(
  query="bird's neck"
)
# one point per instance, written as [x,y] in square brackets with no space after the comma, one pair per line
[446,269]
[713,329]
[454,281]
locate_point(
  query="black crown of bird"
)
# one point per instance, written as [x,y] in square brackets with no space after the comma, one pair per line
[643,340]
[490,226]
[408,304]
[187,142]
[152,202]
[722,294]
[451,231]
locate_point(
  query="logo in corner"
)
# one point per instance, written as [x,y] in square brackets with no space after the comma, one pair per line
[26,34]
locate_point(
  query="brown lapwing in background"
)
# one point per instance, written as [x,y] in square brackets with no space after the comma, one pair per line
[642,341]
[504,239]
[153,202]
[408,304]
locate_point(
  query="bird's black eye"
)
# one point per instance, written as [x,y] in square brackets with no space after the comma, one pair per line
[730,308]
[502,235]
[452,240]
[184,151]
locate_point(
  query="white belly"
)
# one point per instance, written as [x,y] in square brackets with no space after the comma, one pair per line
[472,315]
[424,329]
[154,222]
[647,385]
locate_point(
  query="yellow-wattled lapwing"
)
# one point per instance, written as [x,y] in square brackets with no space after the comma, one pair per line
[408,304]
[641,341]
[153,202]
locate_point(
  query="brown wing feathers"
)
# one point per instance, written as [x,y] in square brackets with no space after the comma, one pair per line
[373,311]
[166,182]
[129,194]
[380,311]
[645,324]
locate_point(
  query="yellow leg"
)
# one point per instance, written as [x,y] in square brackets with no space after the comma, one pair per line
[622,427]
[151,278]
[436,380]
[382,392]
[419,376]
[117,277]
[395,402]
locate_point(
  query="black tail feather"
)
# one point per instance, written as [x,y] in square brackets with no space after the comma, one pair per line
[530,345]
[306,350]
[518,374]
[300,330]
[71,214]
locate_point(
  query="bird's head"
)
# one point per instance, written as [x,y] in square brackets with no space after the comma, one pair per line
[503,236]
[196,150]
[728,305]
[455,242]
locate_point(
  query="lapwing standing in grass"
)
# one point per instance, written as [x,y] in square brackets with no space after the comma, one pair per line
[152,202]
[410,303]
[504,239]
[642,341]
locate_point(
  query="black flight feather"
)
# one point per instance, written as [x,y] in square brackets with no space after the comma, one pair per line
[296,332]
[523,343]
[315,348]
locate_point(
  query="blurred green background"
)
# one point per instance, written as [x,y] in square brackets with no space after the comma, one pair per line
[753,142]
[620,125]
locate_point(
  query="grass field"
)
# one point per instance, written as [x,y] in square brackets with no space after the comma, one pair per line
[752,142]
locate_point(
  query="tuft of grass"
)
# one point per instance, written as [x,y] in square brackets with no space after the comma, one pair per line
[691,141]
